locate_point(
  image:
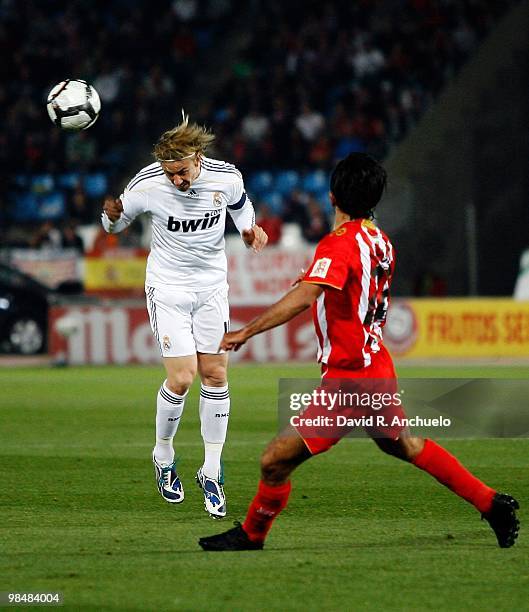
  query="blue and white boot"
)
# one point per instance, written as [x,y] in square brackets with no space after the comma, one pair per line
[168,483]
[214,498]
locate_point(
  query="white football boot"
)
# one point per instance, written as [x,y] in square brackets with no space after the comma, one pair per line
[214,498]
[168,483]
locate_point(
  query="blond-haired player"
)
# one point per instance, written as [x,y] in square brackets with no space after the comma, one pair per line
[187,195]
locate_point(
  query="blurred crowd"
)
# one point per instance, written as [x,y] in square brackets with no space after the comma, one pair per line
[322,79]
[140,56]
[137,54]
[315,81]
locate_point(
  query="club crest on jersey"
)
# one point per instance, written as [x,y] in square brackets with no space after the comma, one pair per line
[193,225]
[321,267]
[217,200]
[166,341]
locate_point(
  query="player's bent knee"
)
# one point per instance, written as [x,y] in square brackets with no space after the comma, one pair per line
[405,448]
[281,458]
[412,447]
[180,382]
[215,377]
[273,470]
[273,474]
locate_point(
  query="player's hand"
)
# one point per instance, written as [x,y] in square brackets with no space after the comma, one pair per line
[256,238]
[300,277]
[113,208]
[232,341]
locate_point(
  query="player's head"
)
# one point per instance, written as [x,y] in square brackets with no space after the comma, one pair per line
[357,184]
[179,151]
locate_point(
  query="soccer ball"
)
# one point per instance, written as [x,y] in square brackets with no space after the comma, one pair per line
[73,105]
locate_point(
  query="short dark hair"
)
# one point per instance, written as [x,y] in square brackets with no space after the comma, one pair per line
[358,182]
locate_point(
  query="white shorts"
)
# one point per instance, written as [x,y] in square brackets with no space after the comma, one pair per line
[187,322]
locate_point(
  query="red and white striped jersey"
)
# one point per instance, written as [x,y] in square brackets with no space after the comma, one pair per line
[355,265]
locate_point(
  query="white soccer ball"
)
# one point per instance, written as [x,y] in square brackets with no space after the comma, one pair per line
[73,105]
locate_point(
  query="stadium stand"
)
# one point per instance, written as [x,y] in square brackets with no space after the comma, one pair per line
[312,83]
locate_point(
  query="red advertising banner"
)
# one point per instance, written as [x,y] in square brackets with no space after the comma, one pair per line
[122,334]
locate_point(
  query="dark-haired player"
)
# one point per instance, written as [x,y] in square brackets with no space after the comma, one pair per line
[348,287]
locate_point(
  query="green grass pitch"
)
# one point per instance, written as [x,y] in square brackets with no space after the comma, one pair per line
[80,513]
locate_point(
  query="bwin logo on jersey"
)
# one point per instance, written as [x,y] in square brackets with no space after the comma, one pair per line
[192,225]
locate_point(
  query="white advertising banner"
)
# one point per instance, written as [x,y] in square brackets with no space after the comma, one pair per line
[262,278]
[49,266]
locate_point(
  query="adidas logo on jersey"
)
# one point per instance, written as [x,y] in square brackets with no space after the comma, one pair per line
[193,225]
[191,193]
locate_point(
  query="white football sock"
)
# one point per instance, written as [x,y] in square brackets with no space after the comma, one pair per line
[214,415]
[169,408]
[212,455]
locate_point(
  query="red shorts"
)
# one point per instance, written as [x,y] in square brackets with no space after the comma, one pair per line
[320,428]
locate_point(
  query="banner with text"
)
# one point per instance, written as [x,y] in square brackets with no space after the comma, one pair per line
[122,334]
[449,328]
[481,327]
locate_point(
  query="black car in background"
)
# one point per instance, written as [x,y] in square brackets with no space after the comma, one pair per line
[24,304]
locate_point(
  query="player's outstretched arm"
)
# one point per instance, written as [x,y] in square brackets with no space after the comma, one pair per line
[290,305]
[255,238]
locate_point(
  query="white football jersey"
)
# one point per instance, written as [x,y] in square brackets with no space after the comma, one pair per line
[187,248]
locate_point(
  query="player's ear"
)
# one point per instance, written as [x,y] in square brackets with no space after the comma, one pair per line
[332,198]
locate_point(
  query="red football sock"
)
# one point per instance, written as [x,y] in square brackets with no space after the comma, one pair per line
[443,466]
[266,505]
